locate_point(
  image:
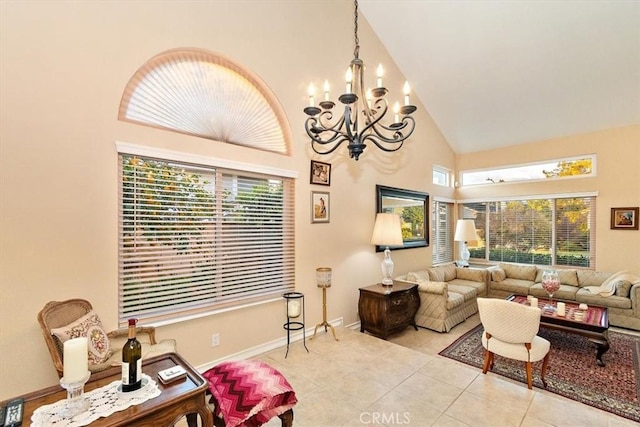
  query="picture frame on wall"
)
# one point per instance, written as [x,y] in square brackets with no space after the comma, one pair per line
[320,207]
[624,218]
[320,173]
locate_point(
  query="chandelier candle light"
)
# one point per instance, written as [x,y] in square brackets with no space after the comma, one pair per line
[387,231]
[370,106]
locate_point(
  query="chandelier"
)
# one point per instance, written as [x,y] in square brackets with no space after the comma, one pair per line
[368,106]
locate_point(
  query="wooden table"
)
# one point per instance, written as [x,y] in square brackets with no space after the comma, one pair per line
[594,326]
[385,310]
[183,397]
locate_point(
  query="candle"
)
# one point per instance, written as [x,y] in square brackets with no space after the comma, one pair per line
[396,110]
[75,360]
[312,94]
[349,77]
[293,307]
[380,72]
[561,309]
[407,91]
[534,302]
[326,90]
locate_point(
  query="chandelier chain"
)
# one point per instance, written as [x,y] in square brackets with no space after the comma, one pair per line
[356,50]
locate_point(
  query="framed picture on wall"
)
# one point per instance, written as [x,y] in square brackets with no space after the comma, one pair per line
[320,206]
[624,218]
[320,173]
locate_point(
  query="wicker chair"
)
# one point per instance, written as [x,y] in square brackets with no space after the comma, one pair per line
[56,314]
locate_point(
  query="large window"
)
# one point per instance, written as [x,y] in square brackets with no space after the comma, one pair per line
[552,230]
[442,232]
[196,238]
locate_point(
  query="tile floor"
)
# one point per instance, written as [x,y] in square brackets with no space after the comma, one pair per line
[361,380]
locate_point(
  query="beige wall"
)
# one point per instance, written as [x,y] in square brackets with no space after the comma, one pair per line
[617,183]
[64,67]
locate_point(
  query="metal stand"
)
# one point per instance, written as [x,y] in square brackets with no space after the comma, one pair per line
[324,317]
[293,298]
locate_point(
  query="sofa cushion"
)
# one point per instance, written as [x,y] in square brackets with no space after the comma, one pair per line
[567,292]
[468,293]
[498,274]
[436,274]
[566,276]
[454,300]
[480,287]
[622,288]
[513,286]
[612,301]
[592,278]
[449,272]
[475,274]
[519,271]
[418,276]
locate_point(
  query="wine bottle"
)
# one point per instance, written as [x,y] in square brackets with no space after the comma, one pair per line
[132,361]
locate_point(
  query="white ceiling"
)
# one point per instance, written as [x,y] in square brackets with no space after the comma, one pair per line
[498,73]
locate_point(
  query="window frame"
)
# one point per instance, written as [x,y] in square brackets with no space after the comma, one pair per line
[436,230]
[222,167]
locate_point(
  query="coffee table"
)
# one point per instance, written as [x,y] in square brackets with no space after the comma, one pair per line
[184,397]
[594,326]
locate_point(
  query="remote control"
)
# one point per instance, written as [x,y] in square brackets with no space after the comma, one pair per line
[172,374]
[13,413]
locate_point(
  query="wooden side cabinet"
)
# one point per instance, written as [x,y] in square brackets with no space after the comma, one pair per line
[385,310]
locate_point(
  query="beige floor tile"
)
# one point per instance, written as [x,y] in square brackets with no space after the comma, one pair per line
[450,372]
[396,408]
[561,412]
[476,411]
[432,392]
[515,396]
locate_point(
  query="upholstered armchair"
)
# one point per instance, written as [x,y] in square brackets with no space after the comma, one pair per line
[63,320]
[510,330]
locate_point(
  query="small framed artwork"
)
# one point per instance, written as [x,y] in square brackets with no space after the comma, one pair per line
[320,206]
[624,218]
[320,173]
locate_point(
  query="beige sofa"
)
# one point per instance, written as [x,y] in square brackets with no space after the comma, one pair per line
[624,304]
[447,294]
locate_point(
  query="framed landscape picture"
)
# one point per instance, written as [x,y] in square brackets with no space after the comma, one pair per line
[320,206]
[320,173]
[624,218]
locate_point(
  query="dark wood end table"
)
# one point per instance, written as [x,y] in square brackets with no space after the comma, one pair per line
[177,399]
[386,310]
[594,326]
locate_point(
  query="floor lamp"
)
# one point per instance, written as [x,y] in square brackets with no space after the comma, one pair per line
[323,278]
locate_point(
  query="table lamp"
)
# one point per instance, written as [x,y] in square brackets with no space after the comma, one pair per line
[465,232]
[387,232]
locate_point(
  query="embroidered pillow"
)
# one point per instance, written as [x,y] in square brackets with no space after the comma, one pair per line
[622,288]
[88,326]
[498,275]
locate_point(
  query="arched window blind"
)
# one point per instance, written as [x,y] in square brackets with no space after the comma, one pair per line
[200,93]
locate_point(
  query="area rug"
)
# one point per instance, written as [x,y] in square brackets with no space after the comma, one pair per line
[572,370]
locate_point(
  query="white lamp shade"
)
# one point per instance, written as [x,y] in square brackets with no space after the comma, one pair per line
[387,231]
[465,231]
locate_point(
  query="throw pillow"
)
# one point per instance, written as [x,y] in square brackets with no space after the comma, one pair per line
[88,326]
[418,276]
[498,275]
[449,271]
[622,288]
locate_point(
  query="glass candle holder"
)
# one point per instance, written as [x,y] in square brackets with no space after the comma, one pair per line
[323,277]
[76,403]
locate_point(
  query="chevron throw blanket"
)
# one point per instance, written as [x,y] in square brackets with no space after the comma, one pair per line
[248,392]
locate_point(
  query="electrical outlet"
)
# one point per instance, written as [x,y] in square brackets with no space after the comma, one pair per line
[215,339]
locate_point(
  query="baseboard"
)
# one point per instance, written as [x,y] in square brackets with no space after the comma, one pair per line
[271,345]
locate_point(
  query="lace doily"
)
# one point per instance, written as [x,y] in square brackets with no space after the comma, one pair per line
[103,401]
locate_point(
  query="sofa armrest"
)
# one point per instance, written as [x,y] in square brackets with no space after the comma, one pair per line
[634,294]
[436,288]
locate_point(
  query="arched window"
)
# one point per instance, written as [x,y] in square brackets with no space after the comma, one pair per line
[201,93]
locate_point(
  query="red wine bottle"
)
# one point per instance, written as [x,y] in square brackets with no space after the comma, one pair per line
[132,361]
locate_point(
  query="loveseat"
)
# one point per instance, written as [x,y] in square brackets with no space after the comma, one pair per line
[447,294]
[620,292]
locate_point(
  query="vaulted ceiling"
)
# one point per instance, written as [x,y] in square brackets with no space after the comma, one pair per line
[498,73]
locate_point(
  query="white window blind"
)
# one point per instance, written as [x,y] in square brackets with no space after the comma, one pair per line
[197,238]
[442,230]
[544,231]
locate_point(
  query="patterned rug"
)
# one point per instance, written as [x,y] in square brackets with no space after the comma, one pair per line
[572,370]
